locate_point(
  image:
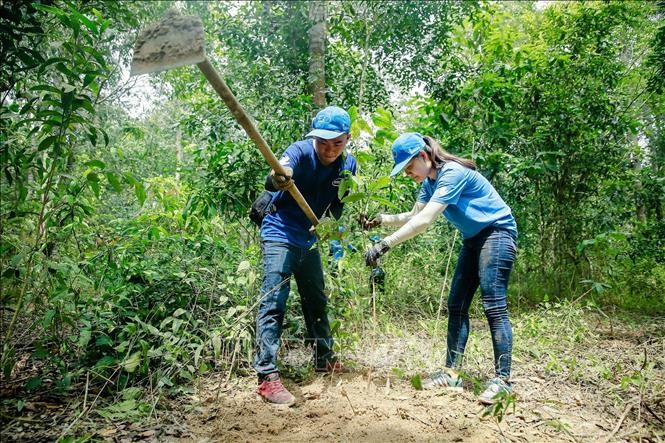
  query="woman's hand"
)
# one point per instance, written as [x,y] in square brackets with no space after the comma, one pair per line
[375,252]
[367,223]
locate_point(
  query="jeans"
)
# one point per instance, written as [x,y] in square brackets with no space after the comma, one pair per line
[486,261]
[280,262]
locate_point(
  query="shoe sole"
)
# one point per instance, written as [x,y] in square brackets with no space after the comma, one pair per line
[447,388]
[265,400]
[487,402]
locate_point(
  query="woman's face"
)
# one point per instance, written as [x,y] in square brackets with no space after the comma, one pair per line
[418,168]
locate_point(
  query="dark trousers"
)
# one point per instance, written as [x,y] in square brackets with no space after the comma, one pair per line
[280,262]
[485,261]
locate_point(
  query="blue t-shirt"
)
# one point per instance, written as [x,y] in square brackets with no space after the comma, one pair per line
[317,183]
[473,203]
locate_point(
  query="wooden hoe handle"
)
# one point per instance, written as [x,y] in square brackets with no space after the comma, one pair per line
[241,117]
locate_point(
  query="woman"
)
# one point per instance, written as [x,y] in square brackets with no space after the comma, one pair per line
[452,186]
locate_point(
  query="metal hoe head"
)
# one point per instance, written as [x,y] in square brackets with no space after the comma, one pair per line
[177,40]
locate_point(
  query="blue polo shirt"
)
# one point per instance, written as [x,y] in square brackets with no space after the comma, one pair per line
[473,203]
[317,183]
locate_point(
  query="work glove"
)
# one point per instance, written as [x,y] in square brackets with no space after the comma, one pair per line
[373,254]
[366,223]
[282,182]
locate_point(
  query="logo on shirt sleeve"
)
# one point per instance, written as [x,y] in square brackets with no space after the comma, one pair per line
[285,160]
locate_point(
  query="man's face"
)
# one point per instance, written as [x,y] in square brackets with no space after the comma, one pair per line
[329,150]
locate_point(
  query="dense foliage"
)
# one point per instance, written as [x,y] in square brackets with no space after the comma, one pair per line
[127,257]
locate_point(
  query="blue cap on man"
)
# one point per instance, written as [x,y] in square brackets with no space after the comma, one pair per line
[405,147]
[330,122]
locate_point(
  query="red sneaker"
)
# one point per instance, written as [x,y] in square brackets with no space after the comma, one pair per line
[332,367]
[272,390]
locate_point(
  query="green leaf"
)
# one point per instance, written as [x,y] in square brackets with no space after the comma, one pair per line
[380,183]
[65,382]
[131,393]
[106,137]
[385,135]
[50,61]
[28,61]
[92,136]
[153,330]
[132,362]
[382,119]
[89,78]
[243,266]
[85,20]
[47,88]
[139,191]
[94,185]
[383,201]
[113,180]
[179,312]
[27,106]
[417,383]
[353,197]
[105,362]
[362,125]
[49,9]
[104,340]
[217,345]
[33,383]
[364,157]
[197,355]
[47,142]
[84,103]
[84,337]
[96,163]
[48,318]
[65,70]
[353,113]
[130,179]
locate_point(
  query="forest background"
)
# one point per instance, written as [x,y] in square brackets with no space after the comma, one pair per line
[128,260]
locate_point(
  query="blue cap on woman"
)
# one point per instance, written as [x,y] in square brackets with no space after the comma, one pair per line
[405,147]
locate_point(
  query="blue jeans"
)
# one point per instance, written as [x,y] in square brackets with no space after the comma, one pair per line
[280,262]
[486,261]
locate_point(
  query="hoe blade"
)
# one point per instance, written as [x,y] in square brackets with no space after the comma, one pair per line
[177,40]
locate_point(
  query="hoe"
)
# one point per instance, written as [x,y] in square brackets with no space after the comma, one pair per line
[178,40]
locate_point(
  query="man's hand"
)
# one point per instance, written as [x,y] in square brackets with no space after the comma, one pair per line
[375,252]
[282,182]
[367,223]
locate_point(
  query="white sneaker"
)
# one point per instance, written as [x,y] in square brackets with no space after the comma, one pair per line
[442,378]
[494,387]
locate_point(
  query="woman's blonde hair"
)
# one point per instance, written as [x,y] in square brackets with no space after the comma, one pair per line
[439,156]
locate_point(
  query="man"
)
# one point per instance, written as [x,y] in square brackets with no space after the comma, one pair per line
[317,165]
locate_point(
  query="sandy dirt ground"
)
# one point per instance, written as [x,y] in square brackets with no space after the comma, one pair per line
[575,402]
[605,384]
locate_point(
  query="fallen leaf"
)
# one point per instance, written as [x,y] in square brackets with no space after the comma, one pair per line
[107,432]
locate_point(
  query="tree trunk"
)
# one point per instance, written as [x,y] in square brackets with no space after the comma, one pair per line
[317,52]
